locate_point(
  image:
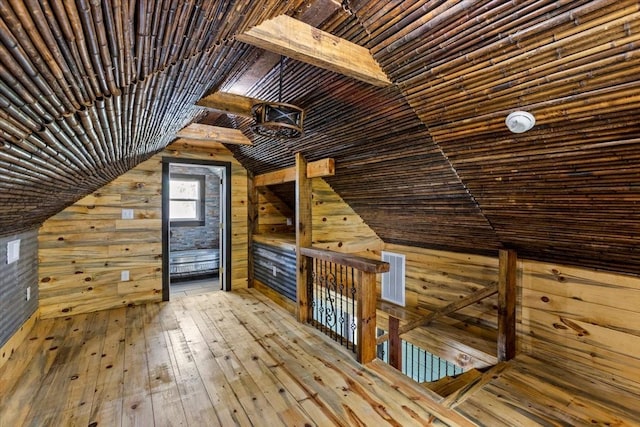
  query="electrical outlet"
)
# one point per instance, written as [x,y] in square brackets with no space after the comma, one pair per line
[289,221]
[275,270]
[28,293]
[124,276]
[127,213]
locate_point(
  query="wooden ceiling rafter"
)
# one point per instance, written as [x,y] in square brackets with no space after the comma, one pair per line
[203,132]
[295,39]
[229,103]
[318,169]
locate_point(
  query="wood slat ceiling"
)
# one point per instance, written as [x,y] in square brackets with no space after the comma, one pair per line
[566,190]
[89,89]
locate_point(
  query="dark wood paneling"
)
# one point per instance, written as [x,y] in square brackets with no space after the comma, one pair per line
[426,162]
[565,191]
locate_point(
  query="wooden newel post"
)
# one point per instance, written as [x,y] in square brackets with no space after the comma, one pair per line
[366,317]
[253,202]
[395,347]
[303,239]
[507,305]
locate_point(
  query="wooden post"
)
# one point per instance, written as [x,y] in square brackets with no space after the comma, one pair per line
[253,208]
[303,238]
[366,317]
[395,343]
[507,305]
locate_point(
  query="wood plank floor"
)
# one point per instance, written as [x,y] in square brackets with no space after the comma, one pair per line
[225,359]
[528,391]
[201,360]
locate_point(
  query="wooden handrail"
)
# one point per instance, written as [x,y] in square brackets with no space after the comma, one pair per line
[367,265]
[364,292]
[448,309]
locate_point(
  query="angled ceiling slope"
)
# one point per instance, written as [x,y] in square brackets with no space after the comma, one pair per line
[388,168]
[567,191]
[88,93]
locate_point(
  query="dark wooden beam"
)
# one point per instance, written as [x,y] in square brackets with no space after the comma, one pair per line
[395,343]
[304,238]
[507,305]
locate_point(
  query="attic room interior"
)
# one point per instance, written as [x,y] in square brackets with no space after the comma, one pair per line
[428,212]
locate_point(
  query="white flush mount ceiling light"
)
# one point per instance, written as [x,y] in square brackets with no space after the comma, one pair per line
[520,121]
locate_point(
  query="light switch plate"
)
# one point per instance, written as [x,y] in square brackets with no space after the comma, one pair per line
[28,293]
[275,270]
[127,213]
[124,276]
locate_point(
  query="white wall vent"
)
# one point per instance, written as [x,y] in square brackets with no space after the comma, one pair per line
[393,280]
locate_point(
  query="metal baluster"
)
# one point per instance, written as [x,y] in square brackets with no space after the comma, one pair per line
[432,367]
[353,310]
[333,320]
[340,296]
[321,308]
[314,288]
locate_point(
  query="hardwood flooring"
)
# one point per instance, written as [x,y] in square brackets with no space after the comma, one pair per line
[194,287]
[225,359]
[202,360]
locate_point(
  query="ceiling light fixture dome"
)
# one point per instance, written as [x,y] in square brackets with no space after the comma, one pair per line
[277,119]
[520,121]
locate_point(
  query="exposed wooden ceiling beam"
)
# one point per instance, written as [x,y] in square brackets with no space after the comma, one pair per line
[202,132]
[317,169]
[228,103]
[314,13]
[288,36]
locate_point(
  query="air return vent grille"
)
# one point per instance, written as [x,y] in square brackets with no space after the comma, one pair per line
[393,280]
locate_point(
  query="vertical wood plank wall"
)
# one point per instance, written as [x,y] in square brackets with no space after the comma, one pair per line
[84,248]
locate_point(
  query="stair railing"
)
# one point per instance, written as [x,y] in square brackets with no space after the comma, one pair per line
[340,298]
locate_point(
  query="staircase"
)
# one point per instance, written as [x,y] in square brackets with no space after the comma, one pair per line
[448,385]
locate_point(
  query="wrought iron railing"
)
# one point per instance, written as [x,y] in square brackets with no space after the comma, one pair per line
[333,301]
[339,298]
[419,364]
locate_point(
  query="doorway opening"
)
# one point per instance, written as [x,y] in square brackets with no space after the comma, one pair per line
[196,232]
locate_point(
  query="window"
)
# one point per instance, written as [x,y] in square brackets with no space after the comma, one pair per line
[186,204]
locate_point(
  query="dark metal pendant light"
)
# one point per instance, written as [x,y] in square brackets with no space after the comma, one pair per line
[277,119]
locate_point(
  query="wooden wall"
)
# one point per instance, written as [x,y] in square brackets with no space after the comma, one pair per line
[582,319]
[436,278]
[585,320]
[84,248]
[335,225]
[273,213]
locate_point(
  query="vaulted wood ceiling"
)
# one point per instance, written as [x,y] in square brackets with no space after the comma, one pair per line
[89,89]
